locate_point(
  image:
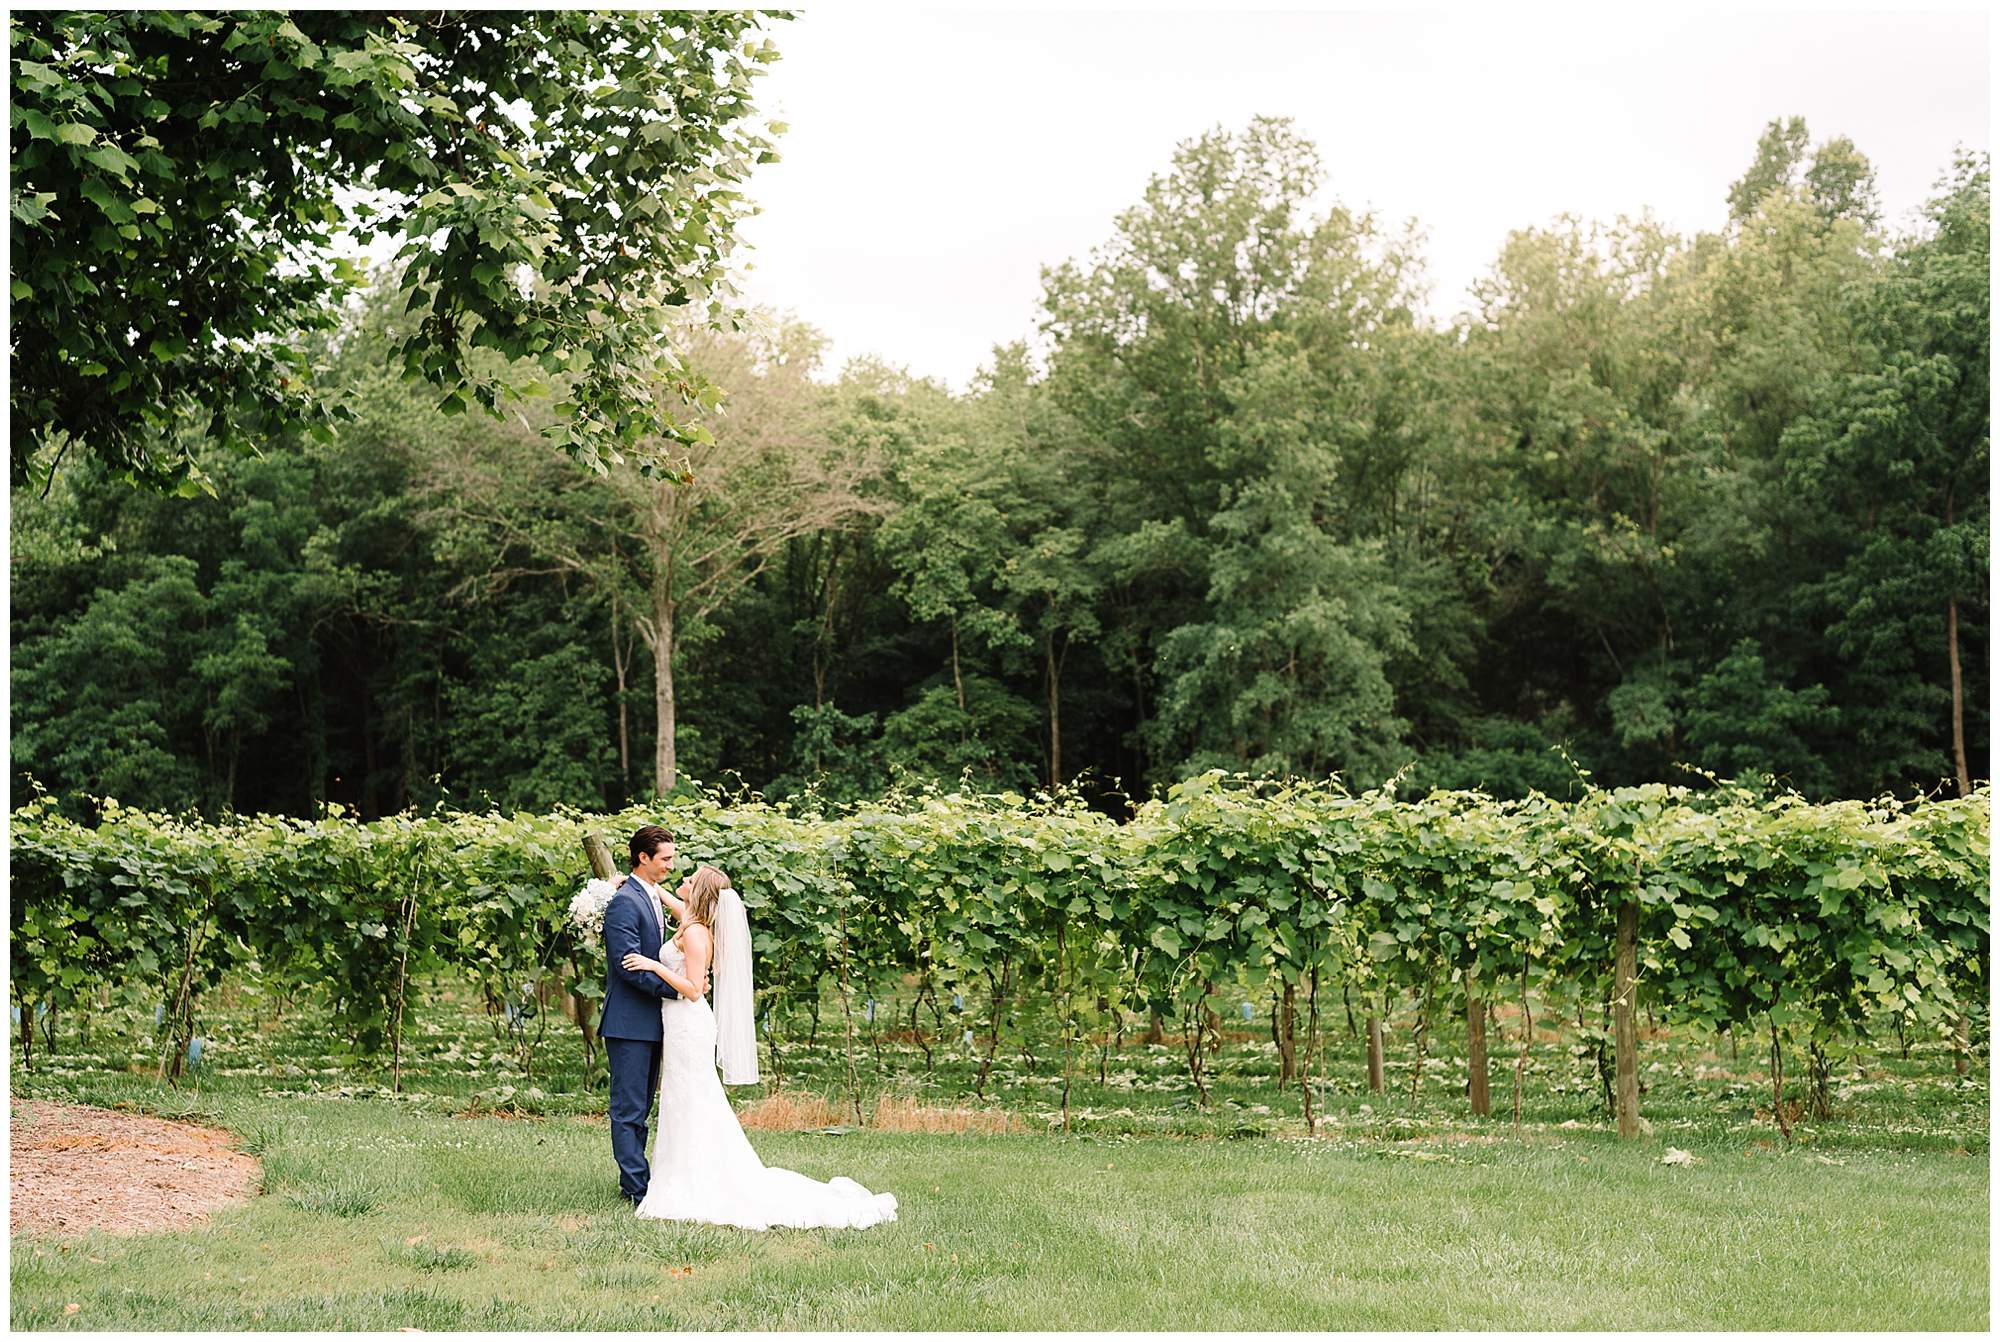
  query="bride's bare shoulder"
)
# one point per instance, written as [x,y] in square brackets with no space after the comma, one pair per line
[697,935]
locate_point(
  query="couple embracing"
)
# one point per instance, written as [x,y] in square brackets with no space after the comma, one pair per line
[662,1036]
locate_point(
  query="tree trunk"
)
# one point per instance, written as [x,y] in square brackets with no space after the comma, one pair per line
[1374,1054]
[1957,698]
[1625,976]
[957,679]
[624,732]
[1055,717]
[664,759]
[1475,1057]
[1961,1044]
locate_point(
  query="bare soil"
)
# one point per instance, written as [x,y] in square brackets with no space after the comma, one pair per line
[76,1168]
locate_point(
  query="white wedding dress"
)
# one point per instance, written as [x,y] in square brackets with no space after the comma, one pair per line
[704,1168]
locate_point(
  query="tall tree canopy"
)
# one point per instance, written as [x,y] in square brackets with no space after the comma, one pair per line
[566,184]
[1655,504]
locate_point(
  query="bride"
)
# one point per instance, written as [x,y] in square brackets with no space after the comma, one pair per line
[703,1166]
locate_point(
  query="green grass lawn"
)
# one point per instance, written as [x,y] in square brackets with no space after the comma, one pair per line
[378,1217]
[1155,1212]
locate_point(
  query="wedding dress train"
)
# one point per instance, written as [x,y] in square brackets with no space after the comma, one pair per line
[704,1168]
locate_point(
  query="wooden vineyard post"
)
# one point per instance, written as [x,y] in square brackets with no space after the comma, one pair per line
[1063,973]
[1475,1059]
[599,854]
[1527,1038]
[1374,1024]
[847,1016]
[1312,1032]
[1625,976]
[1423,1037]
[402,984]
[1288,1036]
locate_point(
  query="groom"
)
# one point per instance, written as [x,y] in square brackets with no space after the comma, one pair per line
[630,1028]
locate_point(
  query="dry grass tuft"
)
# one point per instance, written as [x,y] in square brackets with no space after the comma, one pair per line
[792,1111]
[795,1111]
[906,1113]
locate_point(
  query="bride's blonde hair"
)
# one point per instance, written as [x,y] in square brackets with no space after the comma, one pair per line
[705,887]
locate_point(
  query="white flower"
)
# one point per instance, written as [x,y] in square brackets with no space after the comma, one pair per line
[586,911]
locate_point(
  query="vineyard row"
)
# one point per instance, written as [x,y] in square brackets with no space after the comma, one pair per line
[1719,908]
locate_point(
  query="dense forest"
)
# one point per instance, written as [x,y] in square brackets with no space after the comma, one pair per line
[1655,504]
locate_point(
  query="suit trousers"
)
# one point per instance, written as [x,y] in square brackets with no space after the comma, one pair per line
[635,1081]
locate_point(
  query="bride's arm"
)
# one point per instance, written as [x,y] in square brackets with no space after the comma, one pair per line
[698,943]
[684,986]
[675,905]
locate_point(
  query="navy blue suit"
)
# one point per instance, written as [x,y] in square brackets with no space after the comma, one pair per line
[630,1028]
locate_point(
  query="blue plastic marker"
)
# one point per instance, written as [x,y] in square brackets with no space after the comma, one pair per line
[958,1001]
[1249,1013]
[194,1049]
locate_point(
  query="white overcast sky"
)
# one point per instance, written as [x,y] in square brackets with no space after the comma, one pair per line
[936,161]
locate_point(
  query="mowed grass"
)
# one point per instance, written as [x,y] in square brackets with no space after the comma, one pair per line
[375,1217]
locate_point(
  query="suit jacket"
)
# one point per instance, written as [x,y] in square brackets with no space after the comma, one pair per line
[632,997]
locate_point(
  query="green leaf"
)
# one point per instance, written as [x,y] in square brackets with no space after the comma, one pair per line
[113,160]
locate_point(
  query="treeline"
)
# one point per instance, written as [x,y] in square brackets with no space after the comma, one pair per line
[1778,919]
[1716,501]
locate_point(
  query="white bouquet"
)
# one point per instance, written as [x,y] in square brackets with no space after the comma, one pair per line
[586,911]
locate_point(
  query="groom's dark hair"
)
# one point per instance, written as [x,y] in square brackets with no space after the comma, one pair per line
[646,841]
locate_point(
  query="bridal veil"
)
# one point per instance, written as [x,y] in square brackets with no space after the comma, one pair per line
[735,1002]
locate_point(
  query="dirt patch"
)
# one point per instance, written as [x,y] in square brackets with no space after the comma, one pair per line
[78,1168]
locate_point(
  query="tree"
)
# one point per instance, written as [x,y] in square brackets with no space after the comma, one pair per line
[1222,250]
[1740,725]
[1288,676]
[1224,348]
[1838,178]
[1902,452]
[670,554]
[949,539]
[566,184]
